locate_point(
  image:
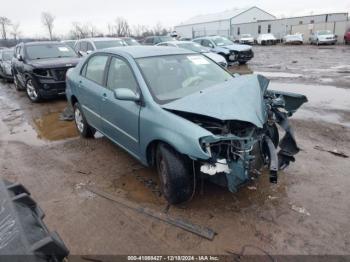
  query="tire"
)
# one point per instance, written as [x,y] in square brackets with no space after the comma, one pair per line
[84,129]
[176,178]
[32,91]
[242,62]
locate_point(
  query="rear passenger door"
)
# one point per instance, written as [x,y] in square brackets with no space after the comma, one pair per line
[91,87]
[121,118]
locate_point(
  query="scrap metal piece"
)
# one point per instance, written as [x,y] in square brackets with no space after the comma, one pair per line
[198,230]
[273,165]
[333,152]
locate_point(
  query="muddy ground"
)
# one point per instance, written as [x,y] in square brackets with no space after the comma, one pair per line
[307,212]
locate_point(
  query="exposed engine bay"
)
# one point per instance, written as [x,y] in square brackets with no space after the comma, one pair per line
[239,149]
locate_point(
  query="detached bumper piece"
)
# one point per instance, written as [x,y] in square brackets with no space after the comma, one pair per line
[23,234]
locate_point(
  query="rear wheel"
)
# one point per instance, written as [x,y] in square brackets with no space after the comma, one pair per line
[84,129]
[175,174]
[32,91]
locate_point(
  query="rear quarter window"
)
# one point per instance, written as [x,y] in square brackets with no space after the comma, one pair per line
[94,69]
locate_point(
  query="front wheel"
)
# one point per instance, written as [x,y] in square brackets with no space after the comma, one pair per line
[175,174]
[84,129]
[32,91]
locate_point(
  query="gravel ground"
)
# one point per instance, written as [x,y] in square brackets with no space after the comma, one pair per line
[307,212]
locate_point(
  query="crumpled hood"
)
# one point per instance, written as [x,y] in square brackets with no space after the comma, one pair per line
[241,98]
[236,47]
[55,62]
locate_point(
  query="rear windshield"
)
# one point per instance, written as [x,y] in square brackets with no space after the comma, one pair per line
[325,32]
[193,47]
[131,41]
[7,55]
[43,51]
[108,44]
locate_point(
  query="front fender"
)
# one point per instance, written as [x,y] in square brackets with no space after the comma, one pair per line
[222,50]
[157,124]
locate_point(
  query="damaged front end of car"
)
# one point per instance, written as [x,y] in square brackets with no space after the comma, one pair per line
[239,147]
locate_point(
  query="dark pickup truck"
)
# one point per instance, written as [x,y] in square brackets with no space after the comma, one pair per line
[40,68]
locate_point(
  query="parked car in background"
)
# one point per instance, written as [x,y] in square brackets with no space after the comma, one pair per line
[185,39]
[87,45]
[296,39]
[153,40]
[266,39]
[6,56]
[130,41]
[347,37]
[229,50]
[184,114]
[197,48]
[323,37]
[246,39]
[40,68]
[70,43]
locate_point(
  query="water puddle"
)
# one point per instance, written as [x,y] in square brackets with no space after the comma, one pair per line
[141,186]
[326,103]
[49,127]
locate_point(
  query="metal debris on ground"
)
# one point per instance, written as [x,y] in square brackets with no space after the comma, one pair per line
[334,151]
[178,222]
[300,210]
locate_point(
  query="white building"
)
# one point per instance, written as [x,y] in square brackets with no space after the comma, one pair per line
[284,26]
[252,21]
[220,23]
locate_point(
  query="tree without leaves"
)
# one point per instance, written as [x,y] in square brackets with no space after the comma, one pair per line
[122,27]
[79,31]
[47,19]
[15,32]
[4,22]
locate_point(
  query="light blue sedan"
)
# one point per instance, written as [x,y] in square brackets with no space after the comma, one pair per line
[180,111]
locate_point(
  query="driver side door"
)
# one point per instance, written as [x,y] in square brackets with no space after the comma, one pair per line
[121,117]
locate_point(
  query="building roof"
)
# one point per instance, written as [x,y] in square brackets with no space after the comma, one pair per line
[225,15]
[147,51]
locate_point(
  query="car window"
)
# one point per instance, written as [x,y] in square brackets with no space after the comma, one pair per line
[163,44]
[206,43]
[83,46]
[120,75]
[77,47]
[149,40]
[95,68]
[43,51]
[89,47]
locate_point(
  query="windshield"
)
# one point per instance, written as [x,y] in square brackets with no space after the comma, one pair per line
[43,51]
[193,47]
[131,41]
[326,32]
[108,43]
[69,43]
[166,38]
[222,41]
[175,76]
[7,55]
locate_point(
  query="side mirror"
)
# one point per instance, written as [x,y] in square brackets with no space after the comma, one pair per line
[19,57]
[88,52]
[126,94]
[211,45]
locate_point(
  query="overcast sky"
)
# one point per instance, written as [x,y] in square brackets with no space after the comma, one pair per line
[147,12]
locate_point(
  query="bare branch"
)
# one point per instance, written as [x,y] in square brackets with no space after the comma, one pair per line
[4,22]
[48,19]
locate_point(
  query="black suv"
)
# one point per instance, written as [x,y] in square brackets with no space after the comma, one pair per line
[40,68]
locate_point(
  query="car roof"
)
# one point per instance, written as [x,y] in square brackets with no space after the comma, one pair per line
[147,51]
[41,43]
[96,39]
[208,37]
